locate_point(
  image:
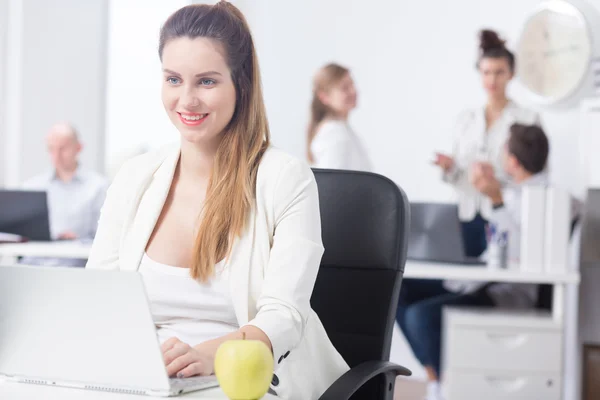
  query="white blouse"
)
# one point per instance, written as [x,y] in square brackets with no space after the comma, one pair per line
[473,143]
[336,146]
[182,307]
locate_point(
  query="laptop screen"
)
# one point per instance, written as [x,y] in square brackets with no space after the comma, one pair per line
[435,233]
[25,213]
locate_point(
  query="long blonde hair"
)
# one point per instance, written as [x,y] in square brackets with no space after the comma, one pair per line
[326,77]
[231,190]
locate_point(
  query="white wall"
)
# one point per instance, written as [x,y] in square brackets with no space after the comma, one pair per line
[55,69]
[134,112]
[3,33]
[413,63]
[11,91]
[414,70]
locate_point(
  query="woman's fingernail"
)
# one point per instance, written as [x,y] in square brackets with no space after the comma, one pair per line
[180,375]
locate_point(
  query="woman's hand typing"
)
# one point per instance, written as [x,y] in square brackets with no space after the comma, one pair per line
[184,361]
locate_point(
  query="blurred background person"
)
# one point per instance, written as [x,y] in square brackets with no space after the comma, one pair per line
[526,155]
[480,136]
[331,141]
[75,194]
[419,312]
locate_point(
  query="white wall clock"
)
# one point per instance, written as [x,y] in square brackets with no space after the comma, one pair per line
[556,50]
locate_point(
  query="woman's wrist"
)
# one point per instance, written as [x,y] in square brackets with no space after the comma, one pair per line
[497,199]
[211,346]
[208,349]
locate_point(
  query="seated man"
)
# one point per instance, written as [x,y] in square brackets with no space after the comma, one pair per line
[75,195]
[526,156]
[421,302]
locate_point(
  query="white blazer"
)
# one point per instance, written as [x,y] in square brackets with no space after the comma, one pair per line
[472,143]
[336,146]
[273,265]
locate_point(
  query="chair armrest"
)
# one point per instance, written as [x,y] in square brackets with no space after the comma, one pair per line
[352,380]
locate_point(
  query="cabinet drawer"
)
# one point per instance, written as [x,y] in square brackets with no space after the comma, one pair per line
[502,349]
[514,386]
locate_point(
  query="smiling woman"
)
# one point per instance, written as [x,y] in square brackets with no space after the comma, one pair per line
[190,118]
[191,98]
[224,229]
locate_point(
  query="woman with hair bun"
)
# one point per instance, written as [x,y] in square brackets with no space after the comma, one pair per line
[481,135]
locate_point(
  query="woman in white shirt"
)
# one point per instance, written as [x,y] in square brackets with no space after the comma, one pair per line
[224,229]
[480,135]
[331,141]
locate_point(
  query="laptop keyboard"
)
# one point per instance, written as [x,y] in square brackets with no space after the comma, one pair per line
[195,381]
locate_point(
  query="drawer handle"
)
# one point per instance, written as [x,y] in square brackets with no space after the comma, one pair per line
[506,384]
[507,340]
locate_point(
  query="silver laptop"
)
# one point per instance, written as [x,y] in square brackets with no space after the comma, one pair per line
[436,235]
[86,329]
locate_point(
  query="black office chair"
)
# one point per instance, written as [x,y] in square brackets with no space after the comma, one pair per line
[365,224]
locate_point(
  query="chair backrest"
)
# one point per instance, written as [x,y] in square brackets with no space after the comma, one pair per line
[365,221]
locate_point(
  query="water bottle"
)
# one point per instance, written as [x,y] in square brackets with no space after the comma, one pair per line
[497,248]
[503,249]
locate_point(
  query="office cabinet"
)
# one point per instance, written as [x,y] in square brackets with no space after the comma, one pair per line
[496,355]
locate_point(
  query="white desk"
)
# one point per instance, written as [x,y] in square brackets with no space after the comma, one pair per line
[20,391]
[428,270]
[425,270]
[9,252]
[422,270]
[565,309]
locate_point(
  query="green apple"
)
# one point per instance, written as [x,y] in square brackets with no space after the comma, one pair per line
[244,369]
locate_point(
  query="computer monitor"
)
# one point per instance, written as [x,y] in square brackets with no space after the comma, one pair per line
[436,234]
[25,213]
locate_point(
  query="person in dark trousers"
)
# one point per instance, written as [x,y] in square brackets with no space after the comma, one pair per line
[419,312]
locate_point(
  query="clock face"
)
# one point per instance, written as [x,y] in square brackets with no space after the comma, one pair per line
[554,52]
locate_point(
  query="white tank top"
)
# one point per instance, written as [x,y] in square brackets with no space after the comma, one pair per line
[187,309]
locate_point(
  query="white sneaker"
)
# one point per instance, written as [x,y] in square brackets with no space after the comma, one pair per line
[434,391]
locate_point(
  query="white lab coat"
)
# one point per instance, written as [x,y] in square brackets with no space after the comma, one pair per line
[472,143]
[336,146]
